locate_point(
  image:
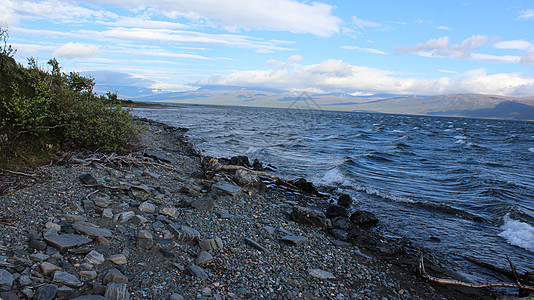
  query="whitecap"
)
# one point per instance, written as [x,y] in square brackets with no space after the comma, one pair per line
[334,176]
[531,149]
[518,233]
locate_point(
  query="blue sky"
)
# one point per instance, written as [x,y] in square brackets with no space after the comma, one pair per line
[357,47]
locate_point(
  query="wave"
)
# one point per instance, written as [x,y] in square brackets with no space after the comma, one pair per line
[518,233]
[531,149]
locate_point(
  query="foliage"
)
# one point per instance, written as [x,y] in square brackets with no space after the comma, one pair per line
[48,111]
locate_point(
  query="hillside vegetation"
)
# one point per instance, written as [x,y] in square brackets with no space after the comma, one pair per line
[44,112]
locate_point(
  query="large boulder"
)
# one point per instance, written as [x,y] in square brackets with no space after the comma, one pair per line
[304,185]
[310,216]
[363,218]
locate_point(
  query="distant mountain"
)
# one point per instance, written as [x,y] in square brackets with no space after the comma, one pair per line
[459,105]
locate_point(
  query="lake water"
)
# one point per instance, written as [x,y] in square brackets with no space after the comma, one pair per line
[448,184]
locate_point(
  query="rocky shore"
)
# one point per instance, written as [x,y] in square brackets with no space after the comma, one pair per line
[153,225]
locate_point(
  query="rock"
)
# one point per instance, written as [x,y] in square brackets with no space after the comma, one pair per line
[336,211]
[321,274]
[342,223]
[223,188]
[66,279]
[176,296]
[88,179]
[88,205]
[255,244]
[102,241]
[46,292]
[107,213]
[170,212]
[74,218]
[363,218]
[64,292]
[6,279]
[63,242]
[26,291]
[90,297]
[304,185]
[295,240]
[39,257]
[137,219]
[102,201]
[88,274]
[211,244]
[53,225]
[118,259]
[117,291]
[184,233]
[341,244]
[24,280]
[156,155]
[145,240]
[240,160]
[94,258]
[339,233]
[257,165]
[203,258]
[344,200]
[198,272]
[47,268]
[91,229]
[204,203]
[37,244]
[166,252]
[151,174]
[123,216]
[310,216]
[114,275]
[147,207]
[249,181]
[10,295]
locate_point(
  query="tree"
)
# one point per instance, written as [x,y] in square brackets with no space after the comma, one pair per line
[5,49]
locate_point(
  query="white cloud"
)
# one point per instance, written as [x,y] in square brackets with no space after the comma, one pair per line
[363,24]
[368,50]
[496,58]
[335,75]
[75,50]
[278,15]
[526,14]
[441,47]
[528,59]
[513,44]
[55,9]
[7,15]
[143,22]
[441,27]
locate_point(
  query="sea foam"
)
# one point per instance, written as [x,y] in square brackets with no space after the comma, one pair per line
[518,233]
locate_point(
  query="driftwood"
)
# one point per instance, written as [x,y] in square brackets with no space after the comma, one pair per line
[516,285]
[232,167]
[18,173]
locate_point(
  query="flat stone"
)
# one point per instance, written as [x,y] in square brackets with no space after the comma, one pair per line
[157,155]
[38,244]
[66,279]
[223,188]
[102,201]
[24,280]
[203,258]
[38,257]
[117,291]
[118,259]
[66,241]
[88,179]
[48,268]
[64,292]
[176,296]
[10,295]
[90,297]
[75,218]
[295,240]
[137,219]
[114,275]
[94,258]
[46,292]
[147,207]
[6,279]
[145,240]
[211,244]
[53,225]
[198,272]
[107,213]
[88,274]
[91,229]
[310,216]
[151,174]
[204,203]
[169,212]
[124,216]
[184,233]
[321,274]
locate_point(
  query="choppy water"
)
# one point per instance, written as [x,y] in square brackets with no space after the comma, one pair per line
[467,182]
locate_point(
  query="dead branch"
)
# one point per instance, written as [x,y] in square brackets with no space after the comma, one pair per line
[231,167]
[19,173]
[423,272]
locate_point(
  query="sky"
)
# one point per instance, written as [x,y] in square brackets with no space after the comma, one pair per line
[357,47]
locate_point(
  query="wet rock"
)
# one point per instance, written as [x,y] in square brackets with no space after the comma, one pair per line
[114,275]
[204,203]
[310,216]
[94,258]
[147,207]
[336,211]
[240,160]
[63,242]
[295,240]
[46,292]
[249,181]
[6,279]
[66,279]
[198,272]
[363,218]
[203,258]
[117,291]
[211,244]
[304,185]
[344,200]
[257,165]
[88,179]
[118,259]
[145,240]
[321,274]
[223,188]
[339,233]
[342,223]
[91,229]
[47,268]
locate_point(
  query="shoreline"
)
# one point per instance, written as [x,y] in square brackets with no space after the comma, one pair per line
[177,232]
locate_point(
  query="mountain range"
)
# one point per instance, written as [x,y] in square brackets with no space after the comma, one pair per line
[457,105]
